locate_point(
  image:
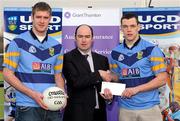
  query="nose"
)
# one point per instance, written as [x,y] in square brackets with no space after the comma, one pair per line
[129,28]
[83,38]
[42,20]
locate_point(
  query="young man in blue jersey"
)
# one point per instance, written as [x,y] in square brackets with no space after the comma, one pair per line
[33,63]
[140,65]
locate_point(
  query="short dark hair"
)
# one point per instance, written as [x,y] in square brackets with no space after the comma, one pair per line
[129,16]
[84,25]
[41,6]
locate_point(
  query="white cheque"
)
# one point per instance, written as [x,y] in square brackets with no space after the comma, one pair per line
[115,88]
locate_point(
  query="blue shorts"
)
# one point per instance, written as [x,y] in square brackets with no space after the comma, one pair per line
[24,113]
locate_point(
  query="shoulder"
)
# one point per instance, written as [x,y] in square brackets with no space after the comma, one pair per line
[151,47]
[70,54]
[52,40]
[118,48]
[24,35]
[99,56]
[147,43]
[21,38]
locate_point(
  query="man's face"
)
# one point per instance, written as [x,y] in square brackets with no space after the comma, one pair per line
[41,21]
[84,38]
[130,29]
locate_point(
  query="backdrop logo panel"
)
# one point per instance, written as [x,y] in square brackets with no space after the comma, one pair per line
[105,23]
[18,20]
[161,25]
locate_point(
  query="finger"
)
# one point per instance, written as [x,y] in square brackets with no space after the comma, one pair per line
[102,95]
[43,105]
[66,95]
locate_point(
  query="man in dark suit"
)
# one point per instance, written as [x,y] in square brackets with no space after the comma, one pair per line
[82,69]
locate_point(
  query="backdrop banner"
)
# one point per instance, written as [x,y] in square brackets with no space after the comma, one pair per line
[105,23]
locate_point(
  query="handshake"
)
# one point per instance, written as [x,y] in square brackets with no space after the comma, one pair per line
[108,75]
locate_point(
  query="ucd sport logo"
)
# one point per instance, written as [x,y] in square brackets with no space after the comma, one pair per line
[12,23]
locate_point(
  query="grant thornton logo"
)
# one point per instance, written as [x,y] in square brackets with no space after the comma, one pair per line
[12,23]
[67,14]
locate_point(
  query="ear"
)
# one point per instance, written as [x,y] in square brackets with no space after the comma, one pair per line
[50,18]
[139,27]
[31,17]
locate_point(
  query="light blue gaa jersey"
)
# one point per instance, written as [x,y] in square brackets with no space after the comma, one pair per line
[137,66]
[34,63]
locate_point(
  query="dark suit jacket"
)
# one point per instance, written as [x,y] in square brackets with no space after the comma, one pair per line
[81,82]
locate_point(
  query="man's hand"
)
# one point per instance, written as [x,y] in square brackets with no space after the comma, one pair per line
[65,102]
[129,92]
[107,94]
[38,97]
[105,75]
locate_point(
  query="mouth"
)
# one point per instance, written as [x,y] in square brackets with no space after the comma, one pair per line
[41,25]
[83,44]
[129,35]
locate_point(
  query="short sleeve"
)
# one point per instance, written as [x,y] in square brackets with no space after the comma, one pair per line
[59,62]
[157,60]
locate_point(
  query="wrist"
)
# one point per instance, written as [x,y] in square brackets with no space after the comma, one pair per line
[109,101]
[137,89]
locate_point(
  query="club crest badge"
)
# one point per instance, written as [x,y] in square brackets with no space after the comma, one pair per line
[32,49]
[121,57]
[12,23]
[139,55]
[51,51]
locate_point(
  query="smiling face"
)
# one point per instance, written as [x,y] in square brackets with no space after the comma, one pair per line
[84,38]
[40,20]
[130,29]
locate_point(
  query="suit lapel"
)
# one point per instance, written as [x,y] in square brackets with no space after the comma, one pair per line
[95,60]
[82,60]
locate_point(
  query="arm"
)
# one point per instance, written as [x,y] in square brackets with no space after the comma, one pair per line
[59,80]
[10,78]
[60,83]
[155,83]
[77,76]
[158,67]
[109,76]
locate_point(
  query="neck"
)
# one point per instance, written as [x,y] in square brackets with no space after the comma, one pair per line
[39,33]
[131,43]
[84,51]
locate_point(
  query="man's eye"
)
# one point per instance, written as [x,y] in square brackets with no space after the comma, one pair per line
[124,26]
[80,36]
[87,36]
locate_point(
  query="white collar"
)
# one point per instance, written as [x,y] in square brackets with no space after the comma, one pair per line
[88,53]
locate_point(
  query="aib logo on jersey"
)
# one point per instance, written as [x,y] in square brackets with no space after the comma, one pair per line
[41,67]
[12,23]
[130,72]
